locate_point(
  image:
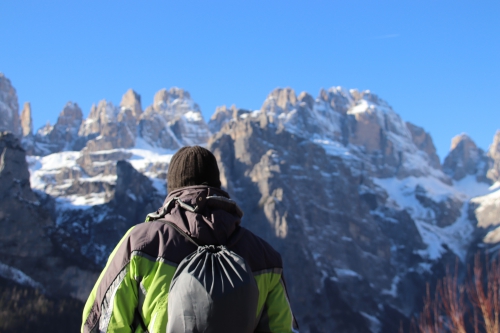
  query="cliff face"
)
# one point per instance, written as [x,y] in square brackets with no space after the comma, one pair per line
[353,197]
[493,172]
[356,198]
[331,214]
[9,107]
[26,120]
[29,254]
[465,159]
[174,120]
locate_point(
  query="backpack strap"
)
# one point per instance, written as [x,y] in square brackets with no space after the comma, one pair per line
[179,230]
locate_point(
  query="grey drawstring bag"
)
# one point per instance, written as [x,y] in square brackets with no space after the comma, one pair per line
[212,291]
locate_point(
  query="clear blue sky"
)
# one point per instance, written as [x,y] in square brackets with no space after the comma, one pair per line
[436,62]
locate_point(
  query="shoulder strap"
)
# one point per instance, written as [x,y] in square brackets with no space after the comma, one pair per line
[179,230]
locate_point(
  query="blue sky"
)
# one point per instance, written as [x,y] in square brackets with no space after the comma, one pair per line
[436,62]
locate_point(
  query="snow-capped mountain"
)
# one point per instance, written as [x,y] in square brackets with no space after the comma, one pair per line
[361,196]
[354,198]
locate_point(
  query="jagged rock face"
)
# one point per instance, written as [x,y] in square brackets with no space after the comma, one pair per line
[342,119]
[423,141]
[63,136]
[109,127]
[26,120]
[27,227]
[65,131]
[465,158]
[383,136]
[221,116]
[93,231]
[486,208]
[494,155]
[283,108]
[100,115]
[336,98]
[9,107]
[173,121]
[327,218]
[156,131]
[135,195]
[98,196]
[279,101]
[101,163]
[132,100]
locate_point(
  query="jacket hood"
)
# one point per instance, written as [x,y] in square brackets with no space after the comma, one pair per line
[205,213]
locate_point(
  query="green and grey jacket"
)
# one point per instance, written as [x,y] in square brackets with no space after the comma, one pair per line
[131,294]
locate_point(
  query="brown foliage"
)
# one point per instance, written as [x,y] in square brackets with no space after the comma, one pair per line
[458,307]
[485,296]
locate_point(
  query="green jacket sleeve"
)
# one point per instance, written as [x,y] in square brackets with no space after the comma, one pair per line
[277,314]
[112,303]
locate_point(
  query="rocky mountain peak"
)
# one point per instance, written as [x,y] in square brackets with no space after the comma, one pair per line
[179,93]
[306,98]
[9,107]
[164,96]
[26,120]
[173,120]
[174,102]
[282,98]
[464,141]
[102,113]
[223,115]
[494,154]
[18,206]
[355,121]
[68,124]
[49,139]
[63,135]
[70,116]
[45,129]
[337,98]
[161,97]
[465,158]
[423,141]
[132,100]
[371,97]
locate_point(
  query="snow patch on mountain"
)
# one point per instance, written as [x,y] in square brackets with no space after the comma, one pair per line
[403,196]
[488,205]
[43,171]
[335,148]
[471,187]
[46,174]
[16,275]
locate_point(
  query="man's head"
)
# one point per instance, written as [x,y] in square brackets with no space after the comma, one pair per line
[192,166]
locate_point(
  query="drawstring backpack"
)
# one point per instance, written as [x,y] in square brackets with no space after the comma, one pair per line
[212,291]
